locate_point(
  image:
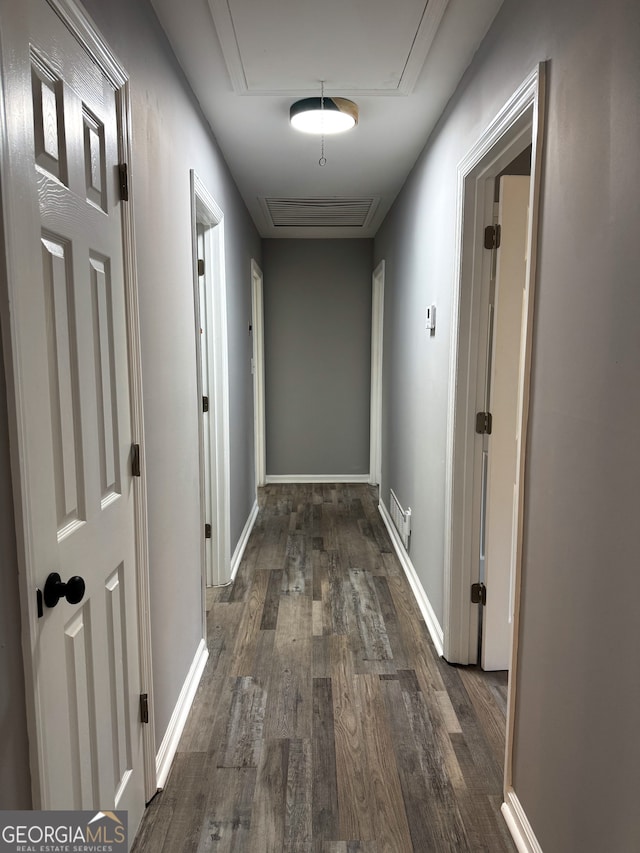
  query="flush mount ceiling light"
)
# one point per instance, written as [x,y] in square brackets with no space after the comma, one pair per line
[323,115]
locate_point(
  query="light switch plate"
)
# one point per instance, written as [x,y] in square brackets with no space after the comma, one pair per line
[431,318]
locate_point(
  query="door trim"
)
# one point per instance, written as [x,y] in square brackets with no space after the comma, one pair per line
[205,211]
[518,123]
[377,331]
[86,33]
[140,483]
[259,425]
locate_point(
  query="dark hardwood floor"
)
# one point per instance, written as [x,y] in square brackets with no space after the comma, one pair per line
[325,722]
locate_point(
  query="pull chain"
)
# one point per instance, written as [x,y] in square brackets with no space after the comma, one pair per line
[323,160]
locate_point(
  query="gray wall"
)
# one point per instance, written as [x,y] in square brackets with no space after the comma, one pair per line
[15,781]
[577,750]
[317,310]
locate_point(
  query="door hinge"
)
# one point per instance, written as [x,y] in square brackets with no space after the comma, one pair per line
[492,237]
[207,531]
[144,707]
[205,404]
[200,266]
[123,174]
[484,423]
[478,593]
[135,460]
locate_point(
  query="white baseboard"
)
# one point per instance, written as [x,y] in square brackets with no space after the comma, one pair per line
[242,542]
[317,478]
[437,634]
[170,741]
[519,826]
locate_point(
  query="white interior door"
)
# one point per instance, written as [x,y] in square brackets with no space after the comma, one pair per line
[500,515]
[69,352]
[206,360]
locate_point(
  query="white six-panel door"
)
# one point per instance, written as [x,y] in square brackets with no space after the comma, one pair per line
[68,331]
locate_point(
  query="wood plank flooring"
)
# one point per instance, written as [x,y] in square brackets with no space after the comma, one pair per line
[325,722]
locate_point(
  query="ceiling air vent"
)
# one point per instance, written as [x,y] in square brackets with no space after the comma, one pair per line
[320,212]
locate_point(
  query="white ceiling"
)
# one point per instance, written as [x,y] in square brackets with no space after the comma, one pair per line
[248,60]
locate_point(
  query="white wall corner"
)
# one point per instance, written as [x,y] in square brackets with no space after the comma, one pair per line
[244,538]
[169,745]
[428,614]
[519,826]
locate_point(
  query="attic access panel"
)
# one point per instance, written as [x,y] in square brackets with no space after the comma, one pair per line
[366,46]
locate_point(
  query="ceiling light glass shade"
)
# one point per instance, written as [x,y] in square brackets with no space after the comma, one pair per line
[338,115]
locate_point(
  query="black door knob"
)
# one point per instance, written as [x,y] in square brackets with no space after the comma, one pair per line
[55,589]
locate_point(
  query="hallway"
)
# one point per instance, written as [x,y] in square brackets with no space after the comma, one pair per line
[324,721]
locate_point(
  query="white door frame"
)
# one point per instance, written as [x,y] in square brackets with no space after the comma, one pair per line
[377,330]
[257,325]
[83,28]
[208,214]
[519,123]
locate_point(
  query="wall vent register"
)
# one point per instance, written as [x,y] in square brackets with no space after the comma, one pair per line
[401,518]
[320,212]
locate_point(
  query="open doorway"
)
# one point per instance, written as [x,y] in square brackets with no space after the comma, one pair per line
[212,379]
[257,369]
[475,347]
[377,327]
[497,401]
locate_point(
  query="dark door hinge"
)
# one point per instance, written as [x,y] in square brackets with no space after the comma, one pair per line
[205,404]
[478,593]
[207,531]
[484,423]
[123,174]
[144,707]
[492,234]
[135,460]
[200,266]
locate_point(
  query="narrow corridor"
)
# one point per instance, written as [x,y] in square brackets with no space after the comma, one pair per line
[325,722]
